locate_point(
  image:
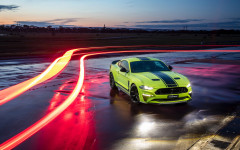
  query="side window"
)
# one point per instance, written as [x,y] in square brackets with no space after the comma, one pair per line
[119,64]
[125,65]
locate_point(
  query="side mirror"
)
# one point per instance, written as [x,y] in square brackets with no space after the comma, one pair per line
[170,67]
[123,70]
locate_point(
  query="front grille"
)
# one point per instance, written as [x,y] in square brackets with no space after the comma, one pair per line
[176,90]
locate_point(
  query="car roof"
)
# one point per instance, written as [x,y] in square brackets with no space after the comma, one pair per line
[141,59]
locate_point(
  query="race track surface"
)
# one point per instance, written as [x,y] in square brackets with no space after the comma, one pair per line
[101,118]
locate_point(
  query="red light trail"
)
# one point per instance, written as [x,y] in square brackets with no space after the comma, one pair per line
[58,65]
[22,136]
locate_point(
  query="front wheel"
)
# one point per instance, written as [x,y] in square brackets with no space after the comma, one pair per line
[134,94]
[112,81]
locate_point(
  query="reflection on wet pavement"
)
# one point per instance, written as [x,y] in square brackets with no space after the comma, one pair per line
[17,72]
[101,118]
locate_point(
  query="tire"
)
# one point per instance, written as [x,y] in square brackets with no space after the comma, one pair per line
[134,95]
[112,81]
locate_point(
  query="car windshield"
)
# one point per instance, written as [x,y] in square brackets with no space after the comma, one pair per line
[148,66]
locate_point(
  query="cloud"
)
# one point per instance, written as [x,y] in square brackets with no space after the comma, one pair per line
[130,3]
[8,7]
[42,24]
[54,22]
[234,19]
[191,24]
[64,21]
[121,26]
[198,26]
[35,23]
[173,21]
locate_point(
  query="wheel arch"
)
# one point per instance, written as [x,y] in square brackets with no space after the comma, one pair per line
[137,82]
[112,72]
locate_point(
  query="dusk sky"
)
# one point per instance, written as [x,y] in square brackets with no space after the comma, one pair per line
[151,14]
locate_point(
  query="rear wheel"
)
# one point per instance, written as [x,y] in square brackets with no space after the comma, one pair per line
[112,81]
[134,94]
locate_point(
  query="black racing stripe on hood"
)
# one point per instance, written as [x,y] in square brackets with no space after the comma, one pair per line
[143,58]
[166,79]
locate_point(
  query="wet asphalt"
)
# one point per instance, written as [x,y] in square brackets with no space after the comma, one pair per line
[101,118]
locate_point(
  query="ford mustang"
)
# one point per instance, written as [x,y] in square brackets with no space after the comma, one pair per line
[149,80]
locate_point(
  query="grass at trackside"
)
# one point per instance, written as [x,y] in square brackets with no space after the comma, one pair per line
[35,44]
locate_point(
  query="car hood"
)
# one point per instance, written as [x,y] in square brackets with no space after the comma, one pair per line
[162,79]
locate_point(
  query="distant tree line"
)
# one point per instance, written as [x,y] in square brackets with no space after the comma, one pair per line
[61,29]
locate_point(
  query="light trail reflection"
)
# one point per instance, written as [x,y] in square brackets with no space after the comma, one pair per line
[22,136]
[19,138]
[73,129]
[58,97]
[58,65]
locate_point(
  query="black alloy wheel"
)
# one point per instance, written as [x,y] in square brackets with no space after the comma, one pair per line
[134,94]
[112,81]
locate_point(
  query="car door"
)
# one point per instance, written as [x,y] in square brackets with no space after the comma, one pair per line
[123,77]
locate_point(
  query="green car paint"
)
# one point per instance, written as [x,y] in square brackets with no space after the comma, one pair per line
[154,81]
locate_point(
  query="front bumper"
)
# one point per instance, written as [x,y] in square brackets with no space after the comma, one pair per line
[147,96]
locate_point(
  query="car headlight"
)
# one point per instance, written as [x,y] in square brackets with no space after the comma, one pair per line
[188,85]
[144,87]
[147,95]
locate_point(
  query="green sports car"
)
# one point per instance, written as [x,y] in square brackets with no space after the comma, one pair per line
[149,80]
